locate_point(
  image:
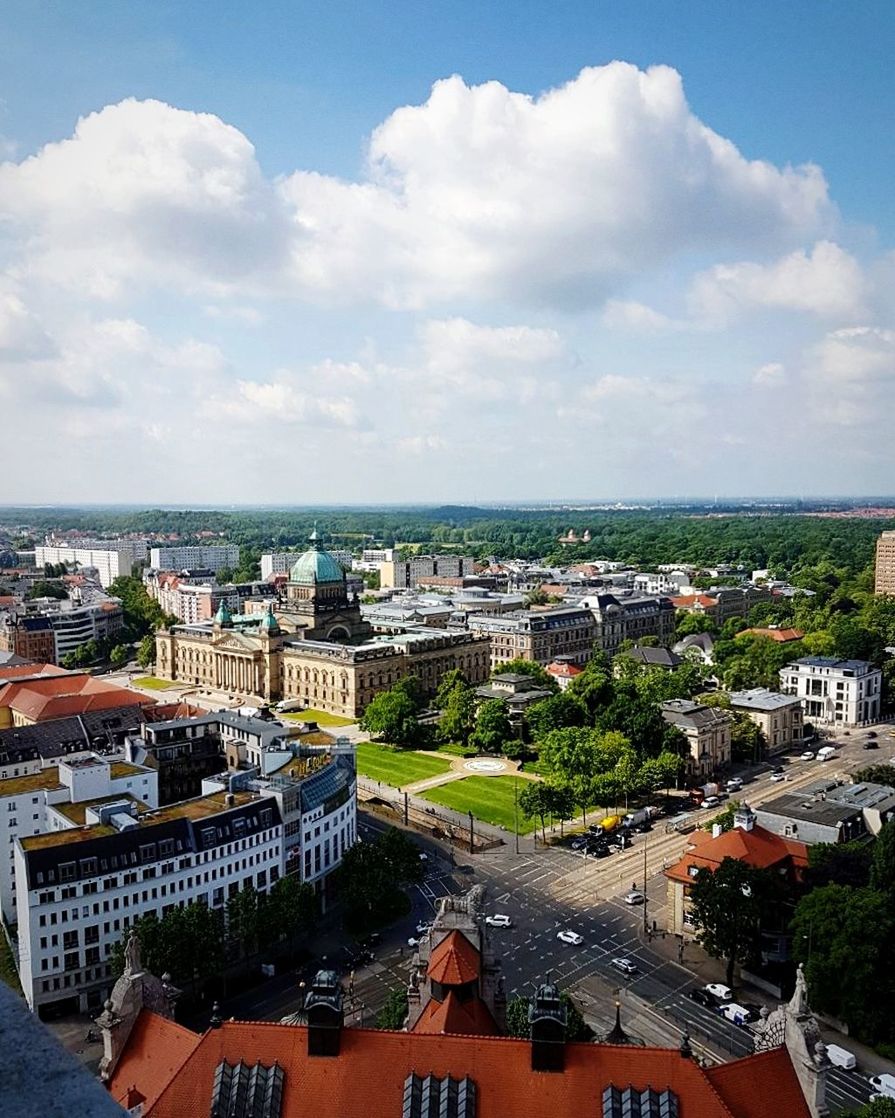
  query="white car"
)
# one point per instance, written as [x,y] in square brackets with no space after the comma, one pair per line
[734,784]
[807,756]
[718,990]
[777,777]
[499,920]
[710,801]
[626,966]
[568,936]
[635,897]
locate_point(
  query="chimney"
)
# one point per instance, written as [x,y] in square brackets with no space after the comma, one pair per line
[323,1009]
[547,1017]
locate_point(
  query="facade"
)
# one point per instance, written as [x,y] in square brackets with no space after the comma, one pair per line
[32,638]
[625,616]
[747,843]
[54,627]
[317,648]
[843,692]
[57,799]
[81,888]
[110,558]
[884,581]
[707,730]
[664,582]
[779,717]
[400,573]
[811,816]
[213,557]
[537,635]
[193,598]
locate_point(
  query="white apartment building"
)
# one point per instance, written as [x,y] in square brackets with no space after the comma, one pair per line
[779,717]
[400,573]
[211,557]
[845,692]
[664,582]
[281,562]
[109,558]
[82,888]
[56,799]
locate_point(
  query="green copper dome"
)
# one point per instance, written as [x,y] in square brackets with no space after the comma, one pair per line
[316,565]
[223,617]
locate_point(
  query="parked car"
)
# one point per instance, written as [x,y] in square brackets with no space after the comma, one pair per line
[841,1057]
[702,997]
[568,936]
[883,1085]
[711,801]
[625,965]
[777,777]
[719,991]
[600,851]
[578,843]
[872,734]
[738,1014]
[807,756]
[871,744]
[499,920]
[734,784]
[635,897]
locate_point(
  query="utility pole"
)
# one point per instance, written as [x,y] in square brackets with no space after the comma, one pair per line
[645,837]
[516,810]
[471,834]
[406,809]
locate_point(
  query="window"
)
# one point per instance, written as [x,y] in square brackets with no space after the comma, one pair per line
[68,871]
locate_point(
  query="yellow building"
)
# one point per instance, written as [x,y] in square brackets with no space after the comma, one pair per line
[315,647]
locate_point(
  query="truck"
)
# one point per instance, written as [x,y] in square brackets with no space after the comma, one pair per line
[883,1085]
[610,823]
[289,704]
[642,815]
[703,791]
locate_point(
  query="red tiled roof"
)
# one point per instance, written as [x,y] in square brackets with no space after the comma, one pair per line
[58,696]
[11,673]
[454,961]
[685,601]
[779,635]
[469,1018]
[564,671]
[176,1072]
[758,1088]
[758,848]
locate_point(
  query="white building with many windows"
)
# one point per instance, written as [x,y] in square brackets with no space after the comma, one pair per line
[109,558]
[845,692]
[206,557]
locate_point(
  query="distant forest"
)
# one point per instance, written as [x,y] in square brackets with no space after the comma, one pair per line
[783,541]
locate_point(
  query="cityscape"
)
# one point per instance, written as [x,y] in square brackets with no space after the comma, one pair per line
[353,763]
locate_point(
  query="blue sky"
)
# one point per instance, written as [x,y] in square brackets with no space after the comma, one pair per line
[275,262]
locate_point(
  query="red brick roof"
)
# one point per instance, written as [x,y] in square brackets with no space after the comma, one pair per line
[454,961]
[564,671]
[687,601]
[463,1018]
[15,671]
[174,1070]
[758,848]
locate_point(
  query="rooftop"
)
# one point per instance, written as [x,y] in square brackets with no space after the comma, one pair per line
[758,848]
[37,782]
[760,698]
[826,812]
[77,813]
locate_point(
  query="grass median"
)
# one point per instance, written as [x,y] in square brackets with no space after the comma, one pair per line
[489,798]
[397,767]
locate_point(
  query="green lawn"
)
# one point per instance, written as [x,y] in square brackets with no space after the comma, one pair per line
[489,798]
[455,749]
[397,768]
[540,767]
[321,717]
[153,683]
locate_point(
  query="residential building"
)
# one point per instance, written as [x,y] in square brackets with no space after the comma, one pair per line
[51,628]
[707,730]
[876,801]
[316,647]
[884,582]
[811,815]
[213,556]
[844,692]
[721,603]
[81,887]
[517,690]
[563,671]
[408,572]
[626,616]
[451,1060]
[664,582]
[57,799]
[109,558]
[197,597]
[773,633]
[747,842]
[33,638]
[538,635]
[779,717]
[281,562]
[648,657]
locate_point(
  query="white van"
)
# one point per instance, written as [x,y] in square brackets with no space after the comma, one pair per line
[884,1085]
[826,754]
[735,1013]
[841,1057]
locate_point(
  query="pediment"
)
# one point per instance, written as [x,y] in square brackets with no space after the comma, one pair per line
[235,643]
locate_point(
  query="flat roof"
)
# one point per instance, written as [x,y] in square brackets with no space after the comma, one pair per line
[36,782]
[793,806]
[760,698]
[77,812]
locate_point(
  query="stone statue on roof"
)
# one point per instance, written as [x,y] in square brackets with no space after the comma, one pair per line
[133,964]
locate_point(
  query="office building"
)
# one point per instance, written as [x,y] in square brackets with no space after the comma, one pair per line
[281,562]
[404,573]
[537,635]
[884,582]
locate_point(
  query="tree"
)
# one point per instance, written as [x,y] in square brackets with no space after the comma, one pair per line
[457,720]
[492,727]
[44,589]
[838,863]
[119,655]
[724,818]
[517,1016]
[537,800]
[412,687]
[554,713]
[224,576]
[692,624]
[880,1107]
[726,909]
[371,876]
[392,716]
[146,651]
[243,913]
[882,866]
[394,1013]
[528,667]
[289,910]
[448,683]
[593,687]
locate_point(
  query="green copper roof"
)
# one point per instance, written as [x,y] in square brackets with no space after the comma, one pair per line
[224,617]
[269,622]
[316,565]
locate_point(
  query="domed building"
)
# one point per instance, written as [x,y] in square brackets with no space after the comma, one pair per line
[314,648]
[318,606]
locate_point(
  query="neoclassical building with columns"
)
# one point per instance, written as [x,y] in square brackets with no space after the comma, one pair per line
[313,646]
